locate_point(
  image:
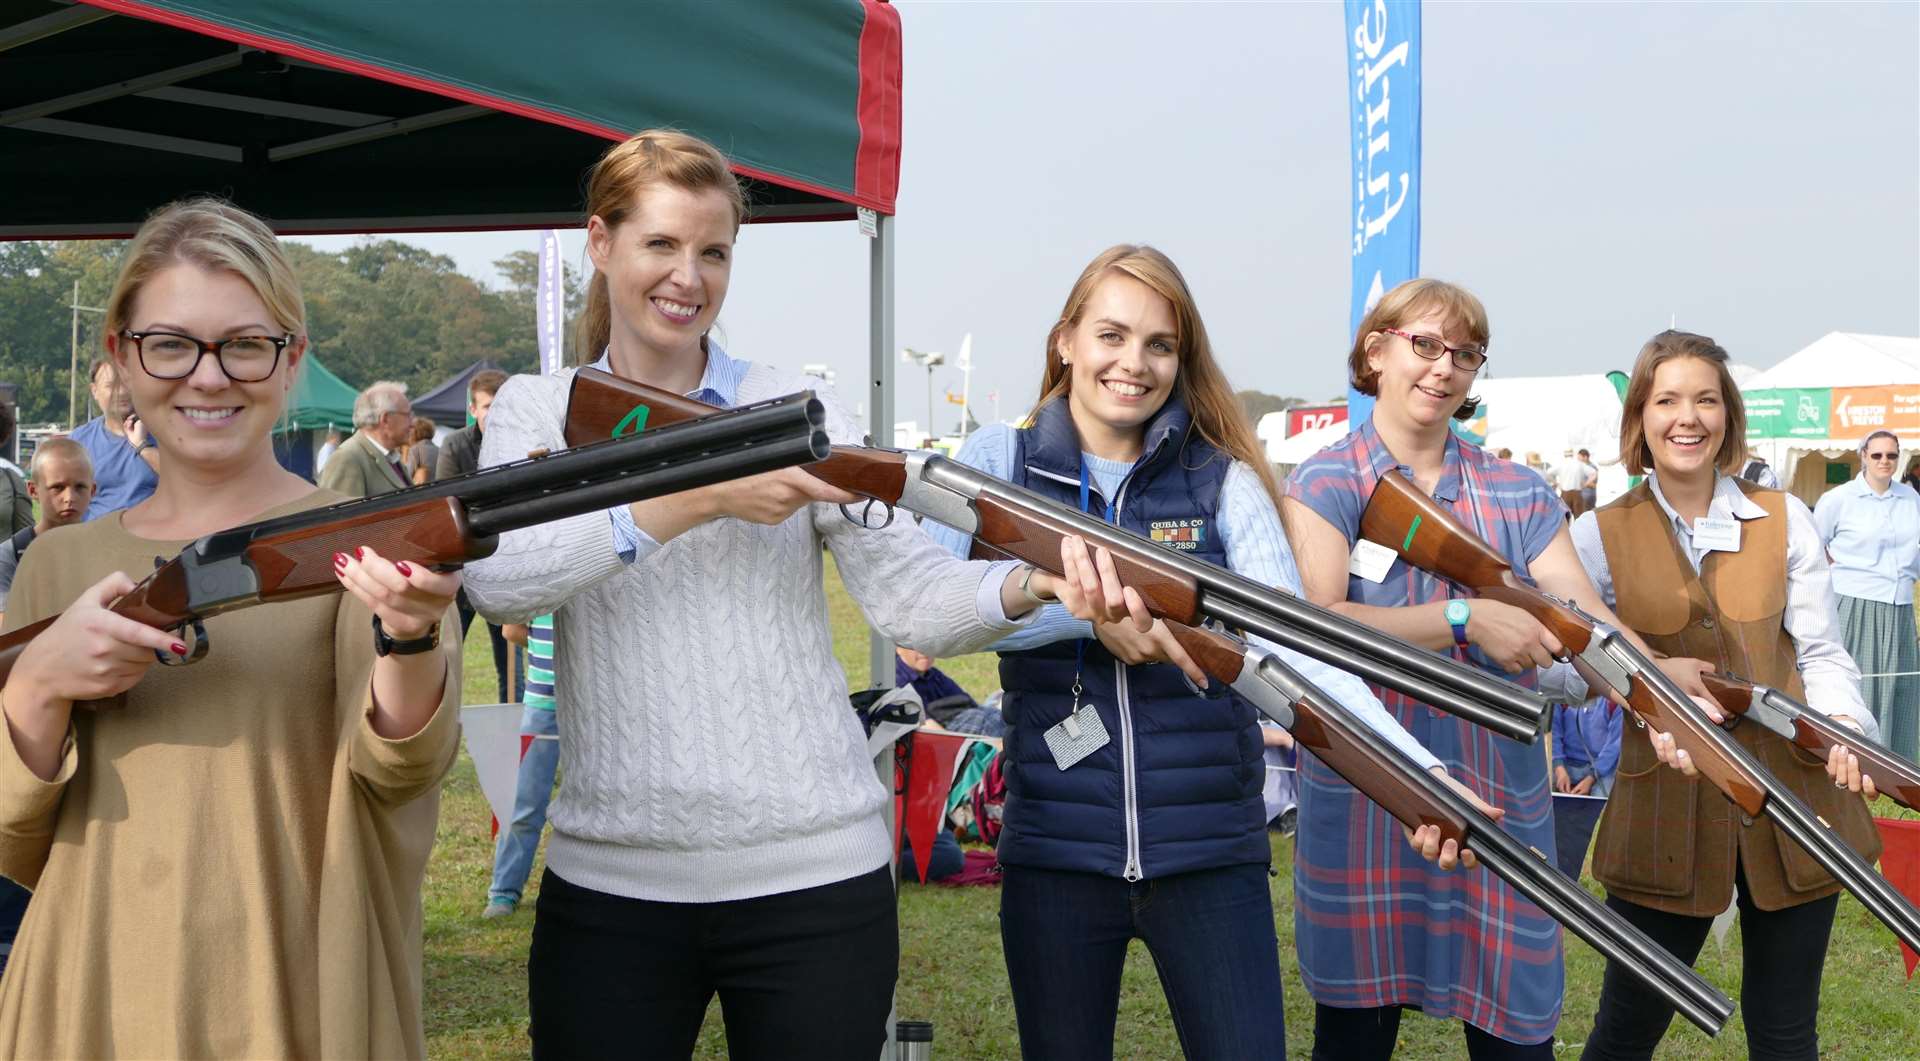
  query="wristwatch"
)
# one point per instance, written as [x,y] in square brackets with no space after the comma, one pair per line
[385,645]
[1457,613]
[1026,587]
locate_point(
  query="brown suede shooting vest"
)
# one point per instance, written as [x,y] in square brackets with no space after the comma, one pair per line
[1667,841]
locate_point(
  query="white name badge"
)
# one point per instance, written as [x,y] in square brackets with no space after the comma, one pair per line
[1721,534]
[1370,560]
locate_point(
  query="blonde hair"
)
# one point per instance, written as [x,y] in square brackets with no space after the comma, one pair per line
[1668,346]
[655,156]
[216,235]
[1217,414]
[1407,303]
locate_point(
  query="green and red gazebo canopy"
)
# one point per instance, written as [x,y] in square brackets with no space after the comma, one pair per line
[375,115]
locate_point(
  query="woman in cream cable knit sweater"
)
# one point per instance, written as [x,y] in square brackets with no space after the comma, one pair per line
[718,826]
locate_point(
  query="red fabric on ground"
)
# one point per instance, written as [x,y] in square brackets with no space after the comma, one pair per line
[1901,863]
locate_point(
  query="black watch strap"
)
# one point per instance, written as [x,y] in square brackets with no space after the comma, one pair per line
[385,645]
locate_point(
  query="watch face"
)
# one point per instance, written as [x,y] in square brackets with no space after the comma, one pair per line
[1456,612]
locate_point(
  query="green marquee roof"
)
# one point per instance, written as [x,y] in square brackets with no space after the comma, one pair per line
[383,115]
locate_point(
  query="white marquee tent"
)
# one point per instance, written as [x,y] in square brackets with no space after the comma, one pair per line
[1836,359]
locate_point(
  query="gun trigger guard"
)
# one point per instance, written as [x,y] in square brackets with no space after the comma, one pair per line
[200,645]
[861,520]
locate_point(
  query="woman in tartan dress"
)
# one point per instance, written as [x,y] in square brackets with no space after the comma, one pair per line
[1378,930]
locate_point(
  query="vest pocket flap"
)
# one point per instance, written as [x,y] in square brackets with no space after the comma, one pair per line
[1646,837]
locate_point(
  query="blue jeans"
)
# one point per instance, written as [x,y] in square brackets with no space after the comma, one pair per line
[513,854]
[1210,934]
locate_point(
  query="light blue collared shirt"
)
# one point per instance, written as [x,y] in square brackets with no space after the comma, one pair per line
[719,385]
[1874,539]
[1812,619]
[1256,548]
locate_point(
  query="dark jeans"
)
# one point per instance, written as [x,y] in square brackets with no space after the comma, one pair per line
[1782,954]
[499,646]
[1366,1034]
[806,974]
[1211,937]
[13,909]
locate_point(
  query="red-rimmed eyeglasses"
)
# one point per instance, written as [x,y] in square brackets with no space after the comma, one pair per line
[1465,358]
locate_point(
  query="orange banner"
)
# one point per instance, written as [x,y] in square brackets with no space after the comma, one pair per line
[1858,411]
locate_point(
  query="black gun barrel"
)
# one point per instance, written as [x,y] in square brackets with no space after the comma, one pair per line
[797,416]
[1530,875]
[1801,824]
[1392,656]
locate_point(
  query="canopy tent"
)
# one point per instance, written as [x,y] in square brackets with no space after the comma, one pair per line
[1550,415]
[319,399]
[365,115]
[1823,399]
[1844,359]
[372,116]
[447,404]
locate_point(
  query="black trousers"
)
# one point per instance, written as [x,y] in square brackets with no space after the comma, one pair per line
[806,974]
[1782,952]
[1369,1035]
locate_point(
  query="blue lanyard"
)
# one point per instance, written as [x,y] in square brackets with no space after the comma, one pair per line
[1086,497]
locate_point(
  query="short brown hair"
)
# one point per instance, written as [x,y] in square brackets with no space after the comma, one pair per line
[1668,346]
[1409,302]
[485,381]
[422,429]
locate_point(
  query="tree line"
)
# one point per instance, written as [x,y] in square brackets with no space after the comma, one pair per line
[380,309]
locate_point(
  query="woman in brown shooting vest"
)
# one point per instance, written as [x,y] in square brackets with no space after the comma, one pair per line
[1707,566]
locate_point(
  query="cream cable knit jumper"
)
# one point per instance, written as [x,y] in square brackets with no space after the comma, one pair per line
[707,751]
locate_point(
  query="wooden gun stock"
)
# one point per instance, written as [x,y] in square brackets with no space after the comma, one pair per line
[1428,536]
[1896,777]
[1013,530]
[601,405]
[432,533]
[1402,794]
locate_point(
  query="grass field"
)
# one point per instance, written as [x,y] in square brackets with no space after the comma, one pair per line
[951,971]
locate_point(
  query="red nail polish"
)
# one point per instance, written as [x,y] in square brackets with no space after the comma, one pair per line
[359,553]
[405,571]
[179,649]
[339,559]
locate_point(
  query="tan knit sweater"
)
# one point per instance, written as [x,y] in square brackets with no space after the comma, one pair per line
[229,862]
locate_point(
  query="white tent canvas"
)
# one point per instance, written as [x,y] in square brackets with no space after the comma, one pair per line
[1845,359]
[1550,415]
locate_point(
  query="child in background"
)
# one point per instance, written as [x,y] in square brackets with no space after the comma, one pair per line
[513,853]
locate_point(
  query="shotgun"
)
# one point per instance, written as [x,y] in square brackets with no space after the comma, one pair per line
[447,523]
[1894,775]
[1385,775]
[1009,522]
[1427,536]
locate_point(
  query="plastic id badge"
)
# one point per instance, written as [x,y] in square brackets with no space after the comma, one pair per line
[1077,736]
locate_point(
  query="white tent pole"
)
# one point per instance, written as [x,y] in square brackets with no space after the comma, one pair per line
[880,292]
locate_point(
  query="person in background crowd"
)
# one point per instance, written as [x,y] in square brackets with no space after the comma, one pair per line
[719,827]
[1716,573]
[1570,478]
[1505,454]
[1871,528]
[1156,828]
[1586,747]
[16,502]
[1912,478]
[227,858]
[122,452]
[1378,931]
[369,464]
[423,457]
[945,702]
[460,455]
[62,482]
[1759,473]
[520,838]
[1589,482]
[327,449]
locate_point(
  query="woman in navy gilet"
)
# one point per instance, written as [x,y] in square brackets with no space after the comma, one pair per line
[1133,796]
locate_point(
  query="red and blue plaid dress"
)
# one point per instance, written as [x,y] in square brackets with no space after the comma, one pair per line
[1375,924]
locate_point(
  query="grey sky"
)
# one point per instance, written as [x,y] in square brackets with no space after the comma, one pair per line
[1752,171]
